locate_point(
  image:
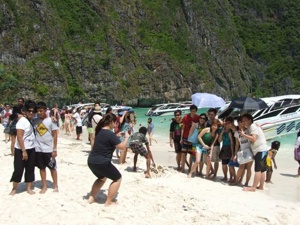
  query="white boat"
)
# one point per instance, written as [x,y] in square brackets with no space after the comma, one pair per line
[168,109]
[280,118]
[115,108]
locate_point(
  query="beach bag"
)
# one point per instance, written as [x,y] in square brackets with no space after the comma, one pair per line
[225,152]
[245,156]
[193,138]
[6,130]
[297,154]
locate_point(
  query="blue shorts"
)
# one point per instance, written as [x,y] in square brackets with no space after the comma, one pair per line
[232,163]
[201,149]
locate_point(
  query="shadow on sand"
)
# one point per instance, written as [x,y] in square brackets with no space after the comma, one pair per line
[289,175]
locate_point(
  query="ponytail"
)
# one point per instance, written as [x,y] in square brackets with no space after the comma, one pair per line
[105,121]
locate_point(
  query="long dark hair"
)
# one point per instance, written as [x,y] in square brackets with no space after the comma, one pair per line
[126,119]
[106,120]
[298,135]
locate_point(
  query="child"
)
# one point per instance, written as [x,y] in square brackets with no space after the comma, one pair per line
[271,157]
[136,144]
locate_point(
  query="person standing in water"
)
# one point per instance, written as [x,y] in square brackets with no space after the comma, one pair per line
[150,131]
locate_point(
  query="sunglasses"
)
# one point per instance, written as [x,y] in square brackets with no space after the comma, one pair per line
[31,110]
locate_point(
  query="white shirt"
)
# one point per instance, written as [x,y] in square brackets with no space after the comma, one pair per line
[29,136]
[5,119]
[44,138]
[244,142]
[297,143]
[260,145]
[95,120]
[78,119]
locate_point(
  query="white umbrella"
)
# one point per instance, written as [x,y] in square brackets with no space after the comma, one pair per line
[206,100]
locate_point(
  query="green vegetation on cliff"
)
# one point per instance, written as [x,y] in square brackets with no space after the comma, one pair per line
[270,33]
[146,52]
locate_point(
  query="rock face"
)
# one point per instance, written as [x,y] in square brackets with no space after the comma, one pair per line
[141,52]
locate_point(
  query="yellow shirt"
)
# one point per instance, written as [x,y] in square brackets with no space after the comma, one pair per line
[271,154]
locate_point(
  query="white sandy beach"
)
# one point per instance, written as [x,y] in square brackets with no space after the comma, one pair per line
[168,198]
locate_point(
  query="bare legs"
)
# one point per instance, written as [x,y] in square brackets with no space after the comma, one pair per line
[12,144]
[232,174]
[178,160]
[249,173]
[7,138]
[28,188]
[54,178]
[225,169]
[44,181]
[183,158]
[148,161]
[195,164]
[216,168]
[95,188]
[209,169]
[112,190]
[269,175]
[92,140]
[239,174]
[151,138]
[122,158]
[67,128]
[259,178]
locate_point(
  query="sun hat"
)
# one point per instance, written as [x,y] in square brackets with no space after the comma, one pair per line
[97,109]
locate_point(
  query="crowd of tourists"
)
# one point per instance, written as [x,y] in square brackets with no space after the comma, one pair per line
[209,141]
[32,128]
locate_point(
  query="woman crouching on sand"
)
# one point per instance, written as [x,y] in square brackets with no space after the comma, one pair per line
[99,160]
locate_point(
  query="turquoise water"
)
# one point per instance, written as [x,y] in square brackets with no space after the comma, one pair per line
[162,127]
[161,123]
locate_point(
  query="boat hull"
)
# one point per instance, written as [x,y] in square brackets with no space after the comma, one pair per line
[280,127]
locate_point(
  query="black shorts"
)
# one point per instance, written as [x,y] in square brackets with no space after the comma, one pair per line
[13,130]
[260,162]
[225,161]
[177,146]
[78,130]
[105,170]
[43,160]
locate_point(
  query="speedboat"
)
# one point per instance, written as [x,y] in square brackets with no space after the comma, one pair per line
[280,118]
[168,109]
[115,108]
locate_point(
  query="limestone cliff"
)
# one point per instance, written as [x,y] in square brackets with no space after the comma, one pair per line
[138,51]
